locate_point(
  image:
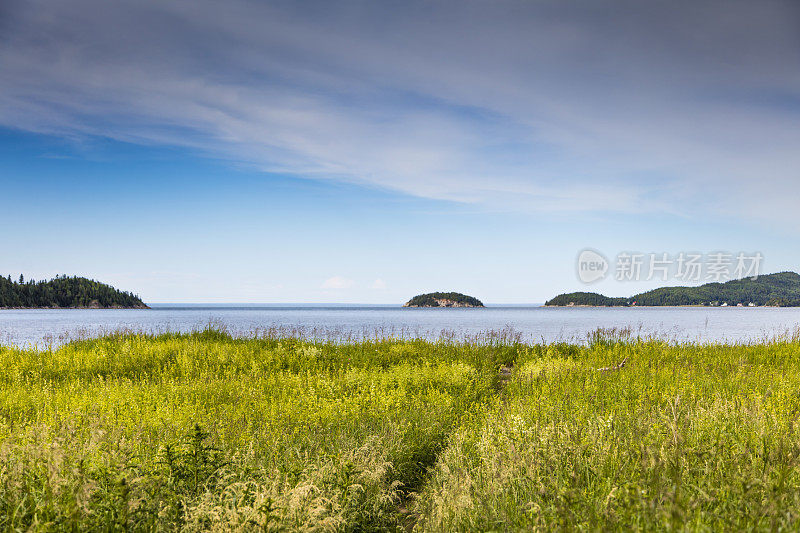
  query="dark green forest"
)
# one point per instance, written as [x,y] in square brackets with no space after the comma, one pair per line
[586,298]
[429,299]
[64,292]
[781,289]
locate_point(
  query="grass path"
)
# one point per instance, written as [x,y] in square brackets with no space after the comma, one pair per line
[204,432]
[680,437]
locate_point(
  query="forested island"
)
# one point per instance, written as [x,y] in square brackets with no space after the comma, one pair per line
[443,299]
[65,292]
[776,290]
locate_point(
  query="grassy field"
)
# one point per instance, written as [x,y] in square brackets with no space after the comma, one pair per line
[208,432]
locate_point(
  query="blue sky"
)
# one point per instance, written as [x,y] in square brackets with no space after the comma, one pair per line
[260,152]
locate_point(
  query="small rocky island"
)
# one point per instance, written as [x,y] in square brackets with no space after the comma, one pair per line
[443,299]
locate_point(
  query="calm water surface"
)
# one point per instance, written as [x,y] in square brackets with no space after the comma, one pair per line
[534,323]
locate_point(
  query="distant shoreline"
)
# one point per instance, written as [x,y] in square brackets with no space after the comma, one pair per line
[88,308]
[781,289]
[667,306]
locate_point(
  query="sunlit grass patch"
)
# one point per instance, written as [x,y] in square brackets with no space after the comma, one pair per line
[683,437]
[206,431]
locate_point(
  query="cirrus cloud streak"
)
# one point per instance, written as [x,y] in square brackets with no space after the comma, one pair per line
[667,108]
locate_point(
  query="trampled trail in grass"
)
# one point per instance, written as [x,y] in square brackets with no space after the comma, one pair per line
[203,431]
[208,432]
[698,438]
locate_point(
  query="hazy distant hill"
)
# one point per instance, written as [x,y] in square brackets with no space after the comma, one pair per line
[65,292]
[443,299]
[781,289]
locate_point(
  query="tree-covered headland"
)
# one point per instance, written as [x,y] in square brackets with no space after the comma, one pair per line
[64,292]
[779,290]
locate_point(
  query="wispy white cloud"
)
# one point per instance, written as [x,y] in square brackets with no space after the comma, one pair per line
[378,284]
[673,108]
[337,283]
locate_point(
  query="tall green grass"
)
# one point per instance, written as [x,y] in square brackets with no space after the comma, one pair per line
[682,437]
[204,431]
